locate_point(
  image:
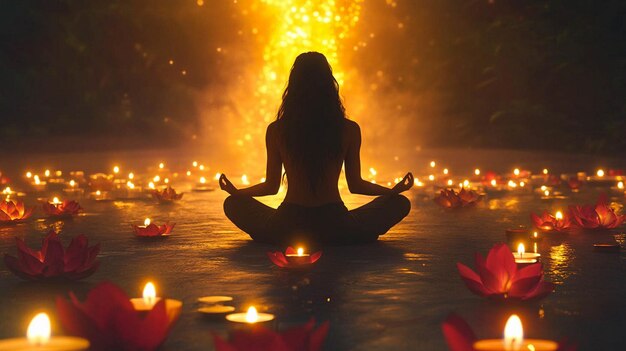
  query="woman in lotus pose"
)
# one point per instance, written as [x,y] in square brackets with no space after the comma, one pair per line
[312,138]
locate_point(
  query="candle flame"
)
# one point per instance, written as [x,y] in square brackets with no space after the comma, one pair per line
[445,171]
[131,175]
[521,250]
[37,181]
[156,179]
[535,234]
[149,293]
[513,333]
[545,171]
[146,222]
[151,185]
[600,173]
[38,332]
[116,170]
[188,173]
[161,165]
[56,201]
[244,180]
[47,173]
[202,180]
[98,192]
[433,164]
[558,215]
[493,182]
[72,183]
[373,171]
[130,185]
[620,185]
[450,182]
[252,316]
[29,174]
[546,193]
[300,251]
[195,163]
[477,171]
[431,177]
[516,171]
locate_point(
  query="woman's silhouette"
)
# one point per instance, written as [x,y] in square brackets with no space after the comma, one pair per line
[312,138]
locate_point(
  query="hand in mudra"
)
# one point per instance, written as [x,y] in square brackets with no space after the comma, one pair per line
[226,185]
[405,184]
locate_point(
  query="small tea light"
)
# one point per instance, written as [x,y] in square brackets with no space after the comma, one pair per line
[299,257]
[521,256]
[251,317]
[514,340]
[38,338]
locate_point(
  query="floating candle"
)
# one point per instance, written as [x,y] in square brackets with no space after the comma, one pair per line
[514,340]
[521,256]
[149,299]
[251,317]
[214,299]
[299,257]
[38,338]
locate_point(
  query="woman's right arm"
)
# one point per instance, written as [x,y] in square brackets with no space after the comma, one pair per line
[356,184]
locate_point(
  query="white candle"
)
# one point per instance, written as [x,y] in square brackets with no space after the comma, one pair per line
[251,317]
[38,338]
[514,340]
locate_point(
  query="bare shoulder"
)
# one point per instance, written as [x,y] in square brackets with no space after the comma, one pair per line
[352,130]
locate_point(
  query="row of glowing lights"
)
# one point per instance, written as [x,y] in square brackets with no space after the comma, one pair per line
[39,329]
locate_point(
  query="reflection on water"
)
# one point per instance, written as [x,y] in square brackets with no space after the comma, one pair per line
[511,204]
[558,266]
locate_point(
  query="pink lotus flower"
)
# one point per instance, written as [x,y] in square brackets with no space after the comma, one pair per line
[291,260]
[300,338]
[600,216]
[13,211]
[153,230]
[448,198]
[53,262]
[499,278]
[167,195]
[109,321]
[548,222]
[64,209]
[460,337]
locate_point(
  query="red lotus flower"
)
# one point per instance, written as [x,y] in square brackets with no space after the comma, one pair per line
[499,278]
[53,262]
[300,338]
[64,209]
[460,337]
[291,259]
[448,198]
[167,195]
[13,211]
[153,230]
[600,216]
[109,321]
[574,183]
[548,222]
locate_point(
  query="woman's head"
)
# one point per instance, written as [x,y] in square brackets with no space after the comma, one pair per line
[311,114]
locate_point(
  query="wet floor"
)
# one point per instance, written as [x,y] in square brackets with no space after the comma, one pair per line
[392,295]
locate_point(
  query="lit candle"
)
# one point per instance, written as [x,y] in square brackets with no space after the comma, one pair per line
[38,338]
[600,173]
[299,257]
[251,317]
[477,171]
[146,223]
[514,340]
[521,256]
[116,170]
[620,185]
[149,299]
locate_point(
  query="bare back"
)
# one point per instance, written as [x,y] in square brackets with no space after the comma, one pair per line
[299,190]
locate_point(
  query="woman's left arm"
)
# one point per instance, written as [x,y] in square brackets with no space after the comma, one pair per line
[273,168]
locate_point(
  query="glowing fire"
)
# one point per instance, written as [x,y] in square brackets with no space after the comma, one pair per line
[252,316]
[38,332]
[521,250]
[300,251]
[513,333]
[149,294]
[296,26]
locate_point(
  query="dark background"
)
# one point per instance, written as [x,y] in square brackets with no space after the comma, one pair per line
[507,74]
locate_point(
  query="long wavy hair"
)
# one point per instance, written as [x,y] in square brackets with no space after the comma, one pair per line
[311,116]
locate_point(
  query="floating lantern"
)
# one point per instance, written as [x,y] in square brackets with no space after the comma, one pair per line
[514,340]
[559,222]
[39,337]
[167,195]
[13,211]
[52,261]
[65,208]
[448,198]
[509,282]
[149,229]
[293,258]
[601,216]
